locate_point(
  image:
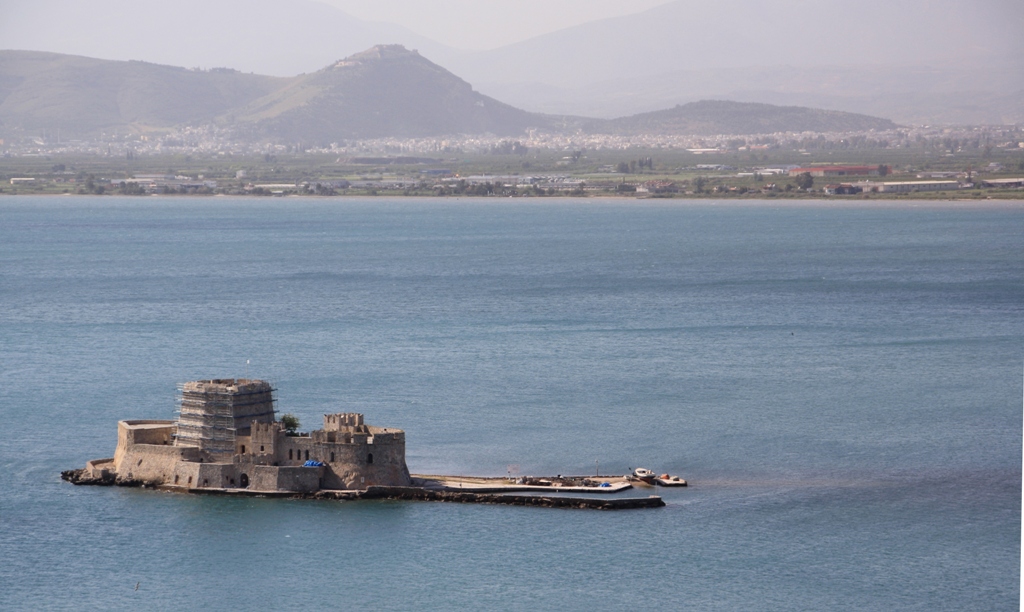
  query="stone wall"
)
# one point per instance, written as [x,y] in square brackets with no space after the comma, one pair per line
[276,478]
[186,475]
[144,451]
[100,468]
[130,433]
[366,460]
[356,456]
[216,476]
[263,438]
[342,421]
[151,463]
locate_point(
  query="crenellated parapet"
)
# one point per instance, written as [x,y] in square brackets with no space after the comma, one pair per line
[344,422]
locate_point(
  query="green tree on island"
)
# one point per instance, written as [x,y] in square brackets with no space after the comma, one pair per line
[290,422]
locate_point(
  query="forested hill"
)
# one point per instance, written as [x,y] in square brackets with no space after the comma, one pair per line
[709,117]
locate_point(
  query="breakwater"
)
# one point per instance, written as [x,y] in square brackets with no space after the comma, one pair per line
[465,497]
[78,477]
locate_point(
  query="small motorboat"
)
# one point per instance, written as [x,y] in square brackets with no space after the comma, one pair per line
[644,474]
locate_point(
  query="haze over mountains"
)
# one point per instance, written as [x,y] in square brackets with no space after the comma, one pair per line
[274,37]
[937,61]
[952,61]
[386,91]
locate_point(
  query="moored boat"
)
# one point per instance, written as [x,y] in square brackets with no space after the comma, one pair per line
[644,474]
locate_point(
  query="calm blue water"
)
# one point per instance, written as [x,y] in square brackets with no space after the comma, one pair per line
[842,386]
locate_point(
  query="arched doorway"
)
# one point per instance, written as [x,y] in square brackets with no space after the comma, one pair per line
[243,481]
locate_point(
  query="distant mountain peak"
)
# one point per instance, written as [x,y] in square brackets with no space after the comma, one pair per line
[377,53]
[385,91]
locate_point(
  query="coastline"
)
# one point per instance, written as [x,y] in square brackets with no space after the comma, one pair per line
[1001,201]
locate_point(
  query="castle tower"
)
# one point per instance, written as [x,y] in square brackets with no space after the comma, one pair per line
[213,412]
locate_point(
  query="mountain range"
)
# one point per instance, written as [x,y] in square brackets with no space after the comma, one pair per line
[915,61]
[386,91]
[940,61]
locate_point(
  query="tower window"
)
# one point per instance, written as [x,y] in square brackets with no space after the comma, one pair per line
[369,458]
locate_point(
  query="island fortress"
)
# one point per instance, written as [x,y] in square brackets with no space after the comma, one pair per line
[226,437]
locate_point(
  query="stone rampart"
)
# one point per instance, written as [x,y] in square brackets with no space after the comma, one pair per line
[151,463]
[186,475]
[100,468]
[144,451]
[281,478]
[130,433]
[216,476]
[344,421]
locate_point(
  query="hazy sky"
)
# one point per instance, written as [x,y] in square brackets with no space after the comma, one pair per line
[487,24]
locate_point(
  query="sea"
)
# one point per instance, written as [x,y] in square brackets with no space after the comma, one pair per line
[840,383]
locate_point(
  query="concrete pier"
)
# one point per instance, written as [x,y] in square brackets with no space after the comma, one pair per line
[414,493]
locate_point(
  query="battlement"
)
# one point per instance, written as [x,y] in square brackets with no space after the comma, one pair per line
[227,386]
[344,421]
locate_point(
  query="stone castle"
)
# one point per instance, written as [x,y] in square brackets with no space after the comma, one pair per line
[226,437]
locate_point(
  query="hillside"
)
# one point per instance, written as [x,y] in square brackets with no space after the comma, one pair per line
[385,91]
[81,96]
[709,117]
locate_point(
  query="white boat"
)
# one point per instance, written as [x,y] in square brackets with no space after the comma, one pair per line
[644,474]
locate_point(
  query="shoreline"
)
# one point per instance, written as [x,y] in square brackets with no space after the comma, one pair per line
[989,202]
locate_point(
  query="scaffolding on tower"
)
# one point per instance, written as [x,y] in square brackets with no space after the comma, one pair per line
[212,413]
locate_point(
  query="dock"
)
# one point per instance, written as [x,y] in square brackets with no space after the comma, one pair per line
[543,501]
[437,495]
[457,489]
[568,484]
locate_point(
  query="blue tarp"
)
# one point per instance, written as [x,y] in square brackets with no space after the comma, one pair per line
[312,463]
